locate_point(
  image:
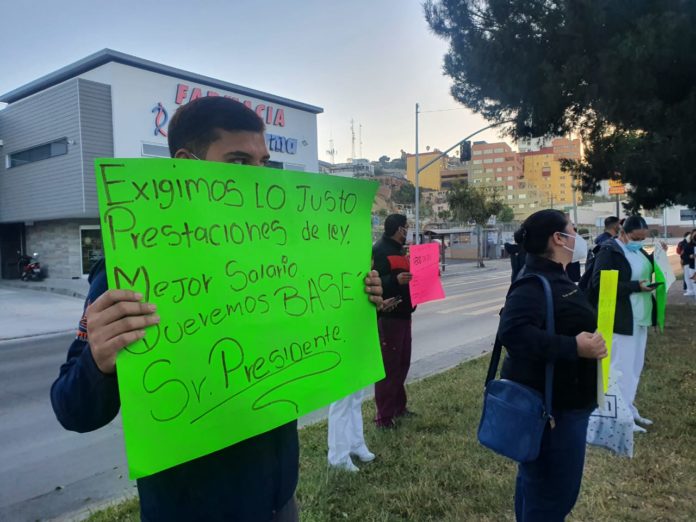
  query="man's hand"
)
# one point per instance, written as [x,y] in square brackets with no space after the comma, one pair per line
[114,321]
[373,287]
[404,277]
[591,345]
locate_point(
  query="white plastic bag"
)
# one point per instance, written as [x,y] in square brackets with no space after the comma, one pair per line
[611,426]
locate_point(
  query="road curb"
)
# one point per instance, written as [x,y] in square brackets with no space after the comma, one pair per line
[46,335]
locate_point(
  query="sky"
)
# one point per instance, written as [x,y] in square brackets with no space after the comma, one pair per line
[366,60]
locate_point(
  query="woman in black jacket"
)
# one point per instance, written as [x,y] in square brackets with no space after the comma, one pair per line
[547,488]
[635,306]
[687,260]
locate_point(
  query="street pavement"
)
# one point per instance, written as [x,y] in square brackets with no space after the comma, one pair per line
[49,473]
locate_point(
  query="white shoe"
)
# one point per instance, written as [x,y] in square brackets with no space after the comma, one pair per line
[639,429]
[364,454]
[346,465]
[642,420]
[688,293]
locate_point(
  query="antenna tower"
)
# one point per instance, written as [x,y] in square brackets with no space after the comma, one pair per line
[352,135]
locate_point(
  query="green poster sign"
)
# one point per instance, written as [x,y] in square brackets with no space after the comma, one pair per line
[257,275]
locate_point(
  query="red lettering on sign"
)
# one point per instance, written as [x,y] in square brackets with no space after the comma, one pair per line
[195,94]
[181,91]
[279,118]
[265,112]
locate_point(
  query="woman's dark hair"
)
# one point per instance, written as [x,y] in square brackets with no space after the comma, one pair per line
[392,224]
[536,230]
[634,223]
[195,125]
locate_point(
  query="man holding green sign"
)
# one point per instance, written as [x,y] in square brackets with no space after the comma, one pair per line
[250,329]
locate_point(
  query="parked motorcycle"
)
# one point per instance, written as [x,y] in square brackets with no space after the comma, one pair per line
[29,267]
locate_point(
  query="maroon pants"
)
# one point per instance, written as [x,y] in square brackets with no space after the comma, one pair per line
[390,393]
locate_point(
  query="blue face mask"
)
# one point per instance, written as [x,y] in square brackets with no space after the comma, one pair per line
[634,246]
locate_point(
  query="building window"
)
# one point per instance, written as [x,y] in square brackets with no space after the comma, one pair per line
[42,152]
[522,196]
[509,196]
[92,247]
[509,169]
[477,162]
[498,151]
[155,151]
[477,152]
[499,178]
[510,178]
[509,187]
[498,160]
[488,160]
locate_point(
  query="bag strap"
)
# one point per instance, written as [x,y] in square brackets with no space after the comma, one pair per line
[550,328]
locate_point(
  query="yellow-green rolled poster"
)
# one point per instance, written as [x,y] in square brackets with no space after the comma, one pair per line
[257,275]
[606,309]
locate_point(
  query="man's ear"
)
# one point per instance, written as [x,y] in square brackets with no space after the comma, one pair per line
[183,154]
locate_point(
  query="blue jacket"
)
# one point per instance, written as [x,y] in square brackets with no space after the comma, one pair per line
[248,481]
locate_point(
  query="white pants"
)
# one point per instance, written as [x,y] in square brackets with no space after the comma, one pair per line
[688,274]
[628,357]
[346,428]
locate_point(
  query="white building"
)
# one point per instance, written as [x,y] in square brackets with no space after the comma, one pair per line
[109,104]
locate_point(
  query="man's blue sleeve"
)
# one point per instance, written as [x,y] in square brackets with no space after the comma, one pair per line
[84,398]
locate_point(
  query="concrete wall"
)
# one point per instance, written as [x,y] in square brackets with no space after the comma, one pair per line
[58,245]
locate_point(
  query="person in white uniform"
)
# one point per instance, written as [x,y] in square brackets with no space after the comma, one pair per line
[346,437]
[635,306]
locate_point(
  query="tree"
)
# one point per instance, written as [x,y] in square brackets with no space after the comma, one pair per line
[621,73]
[405,195]
[383,160]
[506,214]
[469,204]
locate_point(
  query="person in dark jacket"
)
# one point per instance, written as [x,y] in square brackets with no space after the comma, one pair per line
[635,305]
[687,260]
[253,480]
[548,487]
[611,230]
[392,264]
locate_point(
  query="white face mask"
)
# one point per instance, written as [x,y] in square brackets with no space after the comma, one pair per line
[580,249]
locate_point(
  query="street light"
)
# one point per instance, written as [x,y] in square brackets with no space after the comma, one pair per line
[420,169]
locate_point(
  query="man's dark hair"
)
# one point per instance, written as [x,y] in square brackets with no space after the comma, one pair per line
[611,221]
[195,125]
[634,223]
[393,222]
[536,230]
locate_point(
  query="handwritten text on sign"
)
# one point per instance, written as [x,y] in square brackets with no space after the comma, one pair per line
[425,267]
[257,275]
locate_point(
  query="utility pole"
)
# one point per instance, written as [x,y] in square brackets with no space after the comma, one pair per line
[360,139]
[618,214]
[332,151]
[417,184]
[575,203]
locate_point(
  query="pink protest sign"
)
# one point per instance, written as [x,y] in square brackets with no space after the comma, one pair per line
[425,285]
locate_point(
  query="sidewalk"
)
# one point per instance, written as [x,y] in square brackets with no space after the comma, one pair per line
[24,313]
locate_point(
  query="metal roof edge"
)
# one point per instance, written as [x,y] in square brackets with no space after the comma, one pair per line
[109,55]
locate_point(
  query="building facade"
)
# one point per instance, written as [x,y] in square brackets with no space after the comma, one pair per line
[107,105]
[542,169]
